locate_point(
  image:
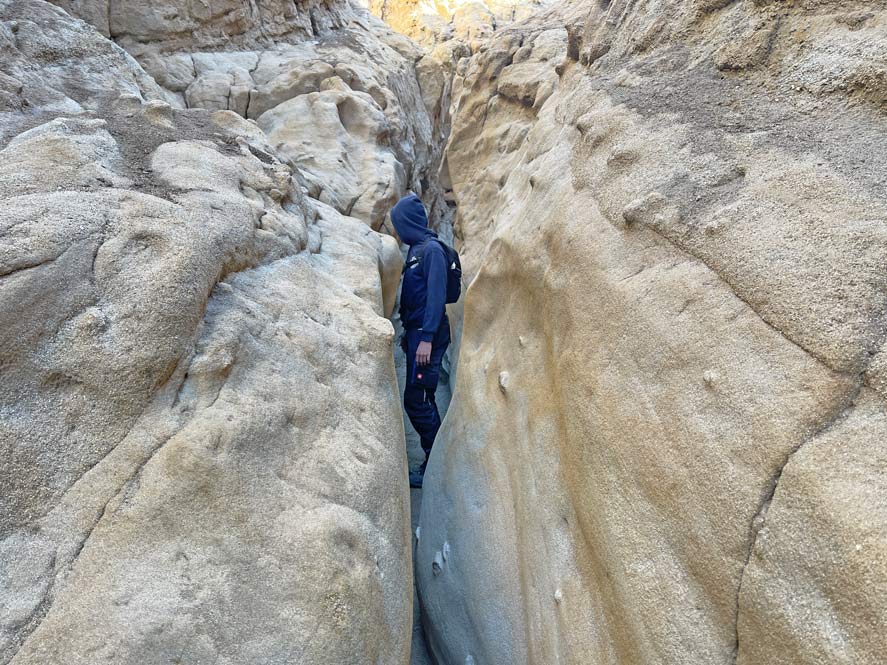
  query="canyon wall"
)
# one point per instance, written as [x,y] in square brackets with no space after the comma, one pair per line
[668,433]
[202,449]
[470,22]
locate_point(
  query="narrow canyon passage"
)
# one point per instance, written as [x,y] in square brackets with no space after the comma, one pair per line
[667,441]
[419,652]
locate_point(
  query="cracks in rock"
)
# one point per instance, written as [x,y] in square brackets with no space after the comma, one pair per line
[35,618]
[857,378]
[263,156]
[63,569]
[524,102]
[633,274]
[349,207]
[31,266]
[229,103]
[830,419]
[28,266]
[74,243]
[253,91]
[733,290]
[833,416]
[225,375]
[95,252]
[315,31]
[181,385]
[186,359]
[78,548]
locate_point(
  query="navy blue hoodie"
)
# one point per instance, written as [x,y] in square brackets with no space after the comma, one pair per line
[423,295]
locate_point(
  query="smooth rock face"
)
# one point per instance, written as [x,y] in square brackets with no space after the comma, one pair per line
[815,562]
[202,449]
[665,443]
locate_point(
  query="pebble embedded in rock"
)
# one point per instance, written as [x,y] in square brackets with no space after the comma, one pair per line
[503,381]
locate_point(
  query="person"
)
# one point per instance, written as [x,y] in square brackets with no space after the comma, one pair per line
[424,318]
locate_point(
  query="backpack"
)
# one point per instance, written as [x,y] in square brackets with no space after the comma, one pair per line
[454,272]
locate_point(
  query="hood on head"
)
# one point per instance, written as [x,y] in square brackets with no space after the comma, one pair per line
[410,220]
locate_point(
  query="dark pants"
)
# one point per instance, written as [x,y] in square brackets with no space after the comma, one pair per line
[421,384]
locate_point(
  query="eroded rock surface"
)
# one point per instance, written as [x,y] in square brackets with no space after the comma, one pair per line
[356,107]
[202,448]
[666,438]
[471,22]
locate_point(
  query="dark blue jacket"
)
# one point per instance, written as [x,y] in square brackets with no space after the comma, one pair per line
[423,295]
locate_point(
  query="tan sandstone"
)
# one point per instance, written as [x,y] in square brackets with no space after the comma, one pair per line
[665,440]
[202,449]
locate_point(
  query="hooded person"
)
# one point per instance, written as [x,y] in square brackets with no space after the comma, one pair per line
[424,318]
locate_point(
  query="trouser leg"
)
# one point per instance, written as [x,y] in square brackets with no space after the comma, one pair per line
[421,408]
[421,386]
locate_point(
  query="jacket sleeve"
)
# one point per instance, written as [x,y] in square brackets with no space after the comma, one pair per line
[436,290]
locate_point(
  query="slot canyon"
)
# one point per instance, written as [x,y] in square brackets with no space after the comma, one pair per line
[665,430]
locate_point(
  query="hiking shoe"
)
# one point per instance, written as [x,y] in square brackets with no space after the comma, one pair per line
[416,478]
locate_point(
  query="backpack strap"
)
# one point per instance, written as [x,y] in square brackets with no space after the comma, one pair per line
[424,246]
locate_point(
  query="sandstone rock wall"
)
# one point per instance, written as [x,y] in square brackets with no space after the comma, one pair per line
[667,437]
[201,444]
[469,21]
[220,24]
[357,108]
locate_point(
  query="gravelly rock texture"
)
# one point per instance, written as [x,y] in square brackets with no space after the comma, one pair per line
[666,440]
